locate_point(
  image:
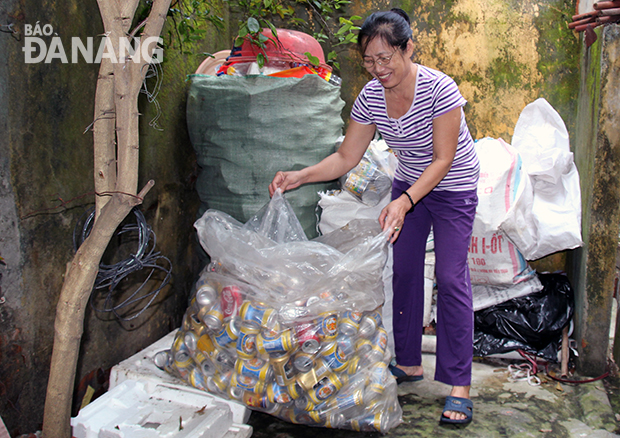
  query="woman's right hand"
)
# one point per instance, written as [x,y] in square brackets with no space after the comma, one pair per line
[285,181]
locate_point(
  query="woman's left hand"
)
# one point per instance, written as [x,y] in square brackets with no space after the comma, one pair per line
[392,217]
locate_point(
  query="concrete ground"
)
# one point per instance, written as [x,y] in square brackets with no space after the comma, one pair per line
[502,408]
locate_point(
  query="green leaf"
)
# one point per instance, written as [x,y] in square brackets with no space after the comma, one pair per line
[253,25]
[351,38]
[274,31]
[260,59]
[313,59]
[332,55]
[344,29]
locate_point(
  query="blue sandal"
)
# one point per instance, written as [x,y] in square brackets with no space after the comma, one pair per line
[402,376]
[458,404]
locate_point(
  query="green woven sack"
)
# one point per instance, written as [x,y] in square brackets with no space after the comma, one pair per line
[245,129]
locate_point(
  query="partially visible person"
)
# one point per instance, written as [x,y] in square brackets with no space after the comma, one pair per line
[418,112]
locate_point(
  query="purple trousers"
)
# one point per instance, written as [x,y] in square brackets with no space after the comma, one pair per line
[451,215]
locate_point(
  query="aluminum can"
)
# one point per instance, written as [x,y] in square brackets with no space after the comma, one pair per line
[346,344]
[183,363]
[334,356]
[376,422]
[246,383]
[303,362]
[235,392]
[231,300]
[218,383]
[380,339]
[192,311]
[268,342]
[374,356]
[204,363]
[294,390]
[349,323]
[259,314]
[327,325]
[194,323]
[222,359]
[190,341]
[325,389]
[304,403]
[369,324]
[278,394]
[298,416]
[162,359]
[307,338]
[255,367]
[258,401]
[347,401]
[355,364]
[229,334]
[331,420]
[181,355]
[378,377]
[197,379]
[246,342]
[205,345]
[206,295]
[363,346]
[213,318]
[309,379]
[283,368]
[178,342]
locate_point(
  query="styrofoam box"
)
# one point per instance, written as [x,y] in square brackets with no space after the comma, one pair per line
[141,367]
[145,409]
[144,401]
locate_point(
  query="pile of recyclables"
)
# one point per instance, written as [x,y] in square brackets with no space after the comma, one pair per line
[289,326]
[285,53]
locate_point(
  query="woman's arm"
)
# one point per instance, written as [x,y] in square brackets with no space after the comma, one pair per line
[349,154]
[445,141]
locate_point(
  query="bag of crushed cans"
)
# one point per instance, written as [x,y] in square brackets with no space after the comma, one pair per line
[371,180]
[290,326]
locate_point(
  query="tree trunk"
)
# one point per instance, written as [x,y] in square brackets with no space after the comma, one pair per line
[116,181]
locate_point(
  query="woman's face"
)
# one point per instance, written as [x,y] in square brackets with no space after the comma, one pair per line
[388,64]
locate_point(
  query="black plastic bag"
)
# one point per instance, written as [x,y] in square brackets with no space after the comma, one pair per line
[532,323]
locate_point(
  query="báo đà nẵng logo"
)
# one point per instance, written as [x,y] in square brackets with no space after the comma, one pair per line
[42,44]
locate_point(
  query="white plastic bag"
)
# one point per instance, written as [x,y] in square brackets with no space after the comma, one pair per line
[547,218]
[493,259]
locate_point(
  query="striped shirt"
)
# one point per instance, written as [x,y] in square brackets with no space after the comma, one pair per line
[411,136]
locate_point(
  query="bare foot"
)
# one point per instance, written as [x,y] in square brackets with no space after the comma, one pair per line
[458,391]
[412,371]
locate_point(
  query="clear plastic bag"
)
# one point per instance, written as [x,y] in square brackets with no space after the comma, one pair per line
[371,180]
[289,326]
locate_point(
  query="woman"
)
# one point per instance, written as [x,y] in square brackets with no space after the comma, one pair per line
[418,111]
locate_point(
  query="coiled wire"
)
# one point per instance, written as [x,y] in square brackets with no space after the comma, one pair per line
[109,276]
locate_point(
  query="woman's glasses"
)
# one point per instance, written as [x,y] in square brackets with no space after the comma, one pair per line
[368,62]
